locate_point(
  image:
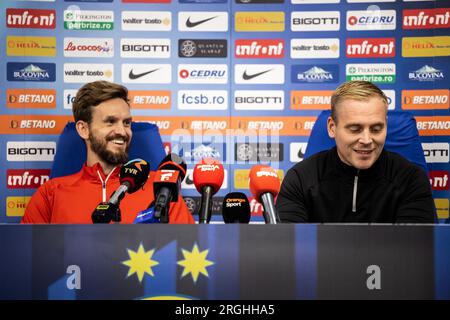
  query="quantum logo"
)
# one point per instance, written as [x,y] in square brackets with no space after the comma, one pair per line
[202,48]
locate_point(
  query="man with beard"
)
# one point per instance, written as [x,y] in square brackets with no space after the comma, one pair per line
[358,180]
[103,120]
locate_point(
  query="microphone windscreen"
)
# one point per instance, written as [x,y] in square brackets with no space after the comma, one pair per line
[263,179]
[208,172]
[236,208]
[135,172]
[173,162]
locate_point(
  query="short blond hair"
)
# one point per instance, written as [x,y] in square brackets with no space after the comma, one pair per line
[355,90]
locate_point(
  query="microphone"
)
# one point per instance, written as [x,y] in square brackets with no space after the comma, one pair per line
[133,176]
[265,185]
[236,208]
[147,215]
[166,185]
[208,178]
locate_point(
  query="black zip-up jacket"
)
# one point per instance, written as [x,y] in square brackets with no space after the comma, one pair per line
[324,189]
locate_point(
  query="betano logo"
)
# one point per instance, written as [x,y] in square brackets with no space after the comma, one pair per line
[442,209]
[31,46]
[426,18]
[148,99]
[433,126]
[30,18]
[371,48]
[259,48]
[33,124]
[425,99]
[241,178]
[31,98]
[438,46]
[261,21]
[311,100]
[15,206]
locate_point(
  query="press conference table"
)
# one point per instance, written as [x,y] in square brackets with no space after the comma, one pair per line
[303,261]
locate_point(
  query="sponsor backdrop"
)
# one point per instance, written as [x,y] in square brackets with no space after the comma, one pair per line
[239,80]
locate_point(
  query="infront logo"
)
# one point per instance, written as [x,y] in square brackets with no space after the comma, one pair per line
[26,179]
[371,48]
[426,18]
[259,48]
[30,18]
[439,180]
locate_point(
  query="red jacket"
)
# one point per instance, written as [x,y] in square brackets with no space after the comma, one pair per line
[73,198]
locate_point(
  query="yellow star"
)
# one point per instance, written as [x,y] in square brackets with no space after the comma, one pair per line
[195,263]
[140,262]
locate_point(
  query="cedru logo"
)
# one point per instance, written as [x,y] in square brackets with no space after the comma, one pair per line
[426,46]
[31,46]
[259,21]
[15,206]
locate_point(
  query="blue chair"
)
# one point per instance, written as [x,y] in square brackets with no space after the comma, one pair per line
[402,137]
[71,149]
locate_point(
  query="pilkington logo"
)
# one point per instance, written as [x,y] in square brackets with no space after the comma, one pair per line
[88,20]
[374,72]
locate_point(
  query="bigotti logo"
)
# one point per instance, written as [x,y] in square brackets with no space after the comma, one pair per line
[26,179]
[442,208]
[15,206]
[259,21]
[241,178]
[203,73]
[27,71]
[439,180]
[371,20]
[315,48]
[146,20]
[198,48]
[202,100]
[259,73]
[427,73]
[148,99]
[259,99]
[258,152]
[426,18]
[438,46]
[425,99]
[373,72]
[88,20]
[371,48]
[30,18]
[87,72]
[199,21]
[31,98]
[259,48]
[311,100]
[69,98]
[146,73]
[297,151]
[314,73]
[89,47]
[145,48]
[436,152]
[30,150]
[31,46]
[315,21]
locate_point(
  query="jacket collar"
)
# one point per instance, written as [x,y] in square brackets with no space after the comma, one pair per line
[346,170]
[92,173]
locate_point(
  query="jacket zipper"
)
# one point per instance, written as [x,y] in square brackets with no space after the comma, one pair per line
[355,190]
[104,183]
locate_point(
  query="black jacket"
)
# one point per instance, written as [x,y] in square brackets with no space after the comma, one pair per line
[324,189]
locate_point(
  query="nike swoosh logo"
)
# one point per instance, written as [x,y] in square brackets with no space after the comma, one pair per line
[246,76]
[190,24]
[134,76]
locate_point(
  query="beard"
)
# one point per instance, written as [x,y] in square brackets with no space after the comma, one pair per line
[99,146]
